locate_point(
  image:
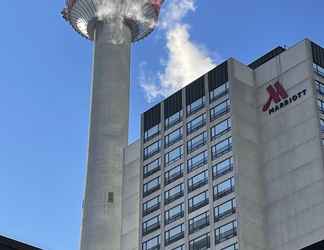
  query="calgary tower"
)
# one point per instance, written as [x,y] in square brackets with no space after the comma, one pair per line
[113,25]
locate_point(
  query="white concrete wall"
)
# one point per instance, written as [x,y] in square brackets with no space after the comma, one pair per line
[291,157]
[248,178]
[131,197]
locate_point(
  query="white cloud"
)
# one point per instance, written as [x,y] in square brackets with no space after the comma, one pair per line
[185,61]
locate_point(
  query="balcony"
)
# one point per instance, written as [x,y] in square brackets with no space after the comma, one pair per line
[219,113]
[151,209]
[198,205]
[196,127]
[173,141]
[173,177]
[197,185]
[198,225]
[197,145]
[151,229]
[222,172]
[221,151]
[174,218]
[223,193]
[213,97]
[221,133]
[202,244]
[225,236]
[224,214]
[174,238]
[157,247]
[151,153]
[152,171]
[197,165]
[173,197]
[152,190]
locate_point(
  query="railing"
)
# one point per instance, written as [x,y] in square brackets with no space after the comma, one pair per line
[146,139]
[214,98]
[157,247]
[151,228]
[151,153]
[198,205]
[197,145]
[221,133]
[201,244]
[224,171]
[173,177]
[198,225]
[151,190]
[151,209]
[174,218]
[174,238]
[221,151]
[197,185]
[225,236]
[175,140]
[214,116]
[196,127]
[223,193]
[197,165]
[152,171]
[224,215]
[173,197]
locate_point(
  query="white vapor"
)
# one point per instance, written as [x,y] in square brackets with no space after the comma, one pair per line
[186,60]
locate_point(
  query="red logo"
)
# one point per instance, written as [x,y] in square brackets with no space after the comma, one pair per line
[276,94]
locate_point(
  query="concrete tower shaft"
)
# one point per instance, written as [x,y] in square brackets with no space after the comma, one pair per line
[108,135]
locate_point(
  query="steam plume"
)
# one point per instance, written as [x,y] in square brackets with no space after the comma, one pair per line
[186,60]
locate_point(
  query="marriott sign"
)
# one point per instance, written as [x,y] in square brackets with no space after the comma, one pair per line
[279,98]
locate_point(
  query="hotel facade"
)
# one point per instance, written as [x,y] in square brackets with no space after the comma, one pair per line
[234,160]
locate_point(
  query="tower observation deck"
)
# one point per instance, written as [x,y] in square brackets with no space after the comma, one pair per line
[112,25]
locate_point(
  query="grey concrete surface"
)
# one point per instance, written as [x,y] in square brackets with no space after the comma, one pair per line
[108,135]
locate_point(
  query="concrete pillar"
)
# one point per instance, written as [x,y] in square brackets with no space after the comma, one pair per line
[108,135]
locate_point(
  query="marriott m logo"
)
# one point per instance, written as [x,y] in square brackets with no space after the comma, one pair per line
[276,93]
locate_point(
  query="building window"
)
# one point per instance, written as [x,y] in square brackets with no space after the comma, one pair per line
[152,244]
[173,119]
[321,105]
[198,181]
[318,69]
[196,105]
[152,132]
[151,225]
[222,168]
[197,142]
[320,87]
[220,110]
[197,161]
[174,214]
[173,137]
[179,248]
[220,128]
[196,123]
[225,232]
[219,92]
[231,247]
[322,125]
[224,188]
[152,149]
[199,222]
[151,186]
[151,205]
[198,201]
[221,148]
[173,193]
[174,155]
[224,210]
[200,243]
[173,174]
[152,167]
[174,234]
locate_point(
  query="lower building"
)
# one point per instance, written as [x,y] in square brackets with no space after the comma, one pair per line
[10,244]
[234,160]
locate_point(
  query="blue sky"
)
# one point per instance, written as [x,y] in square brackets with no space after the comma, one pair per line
[44,105]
